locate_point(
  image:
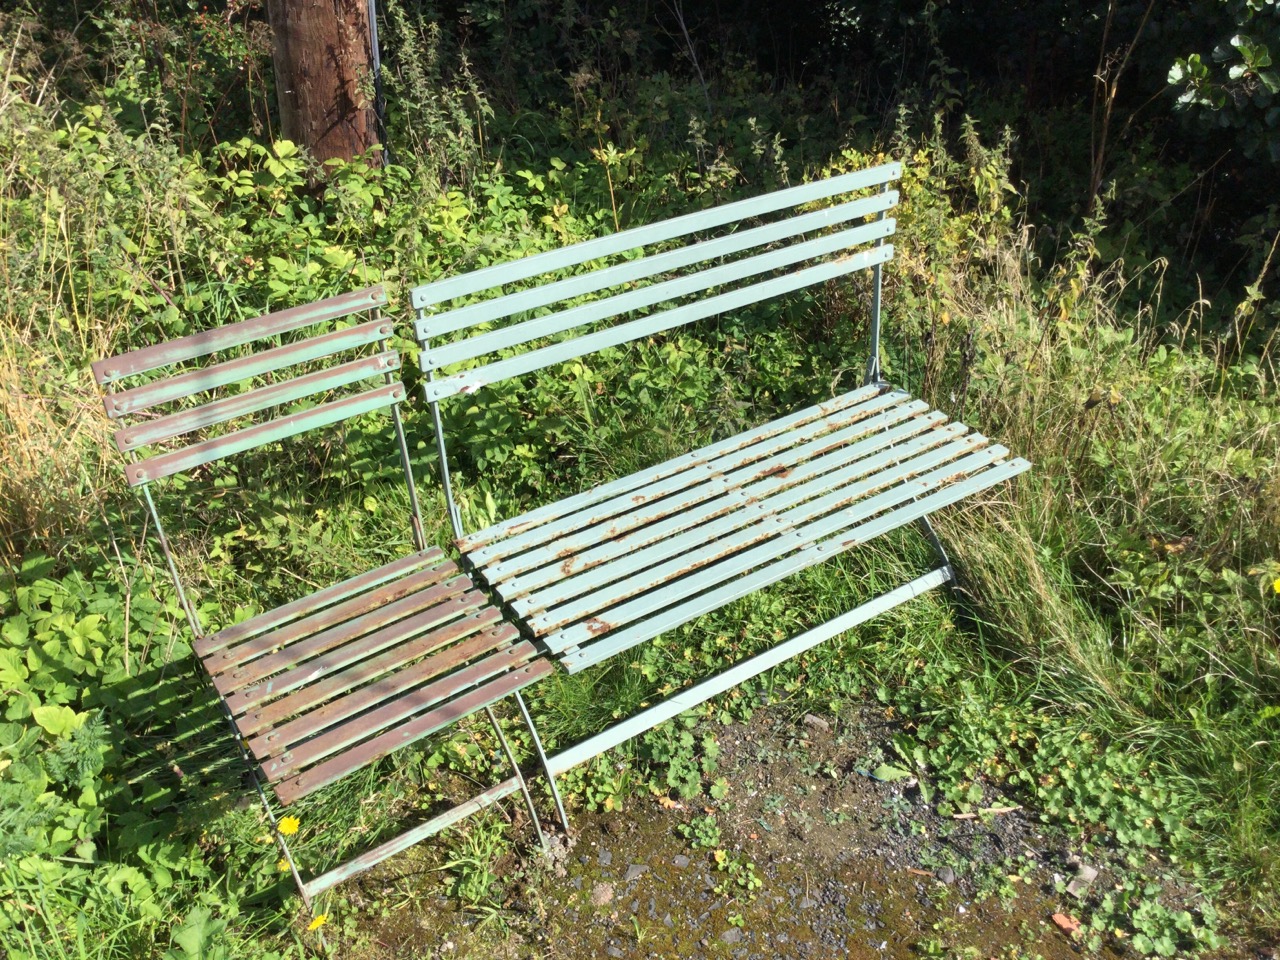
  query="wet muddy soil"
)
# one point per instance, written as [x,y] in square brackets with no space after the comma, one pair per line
[820,848]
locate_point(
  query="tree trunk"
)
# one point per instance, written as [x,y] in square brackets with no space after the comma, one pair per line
[324,82]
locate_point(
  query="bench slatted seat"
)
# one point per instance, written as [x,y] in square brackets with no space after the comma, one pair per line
[619,567]
[591,576]
[324,685]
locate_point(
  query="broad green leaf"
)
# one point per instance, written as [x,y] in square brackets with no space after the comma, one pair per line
[888,772]
[55,720]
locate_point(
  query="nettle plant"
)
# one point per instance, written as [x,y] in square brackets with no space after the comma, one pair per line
[65,663]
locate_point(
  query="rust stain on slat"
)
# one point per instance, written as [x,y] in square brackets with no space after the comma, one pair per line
[595,626]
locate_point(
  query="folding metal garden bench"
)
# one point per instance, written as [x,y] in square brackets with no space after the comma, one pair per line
[325,685]
[591,576]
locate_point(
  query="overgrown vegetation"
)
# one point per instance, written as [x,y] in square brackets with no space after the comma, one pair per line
[1113,656]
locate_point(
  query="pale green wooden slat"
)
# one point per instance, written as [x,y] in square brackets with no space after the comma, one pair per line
[252,401]
[437,324]
[435,357]
[448,289]
[471,380]
[244,368]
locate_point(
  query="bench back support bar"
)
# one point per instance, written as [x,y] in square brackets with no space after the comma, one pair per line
[873,348]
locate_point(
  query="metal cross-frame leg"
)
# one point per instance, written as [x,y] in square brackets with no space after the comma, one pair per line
[455,521]
[927,531]
[542,759]
[524,787]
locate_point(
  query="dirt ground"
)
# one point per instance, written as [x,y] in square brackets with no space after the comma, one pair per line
[842,864]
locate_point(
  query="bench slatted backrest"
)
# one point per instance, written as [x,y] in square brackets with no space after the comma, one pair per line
[720,273]
[186,394]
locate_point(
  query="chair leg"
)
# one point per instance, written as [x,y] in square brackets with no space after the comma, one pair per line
[524,787]
[542,758]
[284,846]
[266,804]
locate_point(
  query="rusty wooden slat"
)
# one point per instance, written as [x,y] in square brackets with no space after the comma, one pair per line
[790,511]
[244,368]
[235,334]
[484,544]
[411,731]
[240,441]
[755,482]
[355,664]
[672,492]
[451,661]
[671,507]
[735,564]
[304,606]
[343,739]
[252,401]
[313,644]
[763,572]
[257,644]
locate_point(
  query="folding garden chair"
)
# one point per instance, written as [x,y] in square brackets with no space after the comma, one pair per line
[327,684]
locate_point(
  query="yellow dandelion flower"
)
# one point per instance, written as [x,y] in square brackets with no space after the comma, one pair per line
[282,865]
[1276,586]
[320,920]
[288,826]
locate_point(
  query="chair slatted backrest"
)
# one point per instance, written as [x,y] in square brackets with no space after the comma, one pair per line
[180,395]
[690,282]
[193,400]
